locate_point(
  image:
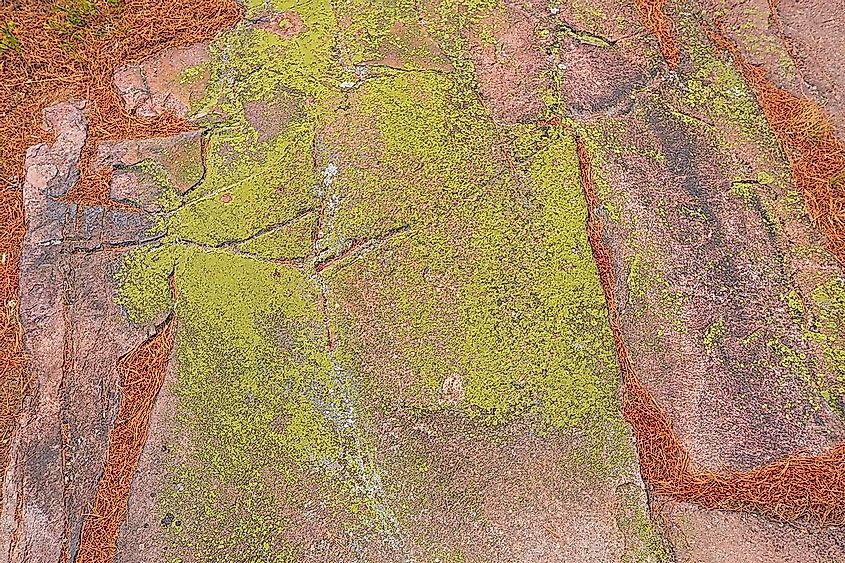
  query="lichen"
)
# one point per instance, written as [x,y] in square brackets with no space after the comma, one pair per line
[714,333]
[793,361]
[521,345]
[761,40]
[827,332]
[261,400]
[651,294]
[370,25]
[584,37]
[193,73]
[589,15]
[715,99]
[796,306]
[476,267]
[644,544]
[143,288]
[531,348]
[260,189]
[716,89]
[743,190]
[288,242]
[246,409]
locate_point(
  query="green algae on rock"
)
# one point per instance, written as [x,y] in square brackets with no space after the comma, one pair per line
[828,306]
[384,253]
[144,286]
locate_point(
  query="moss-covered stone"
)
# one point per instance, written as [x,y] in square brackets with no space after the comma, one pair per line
[440,264]
[644,542]
[828,330]
[143,284]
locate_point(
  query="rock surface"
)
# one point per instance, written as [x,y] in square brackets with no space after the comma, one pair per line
[74,333]
[391,340]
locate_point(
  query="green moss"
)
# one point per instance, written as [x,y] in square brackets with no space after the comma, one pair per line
[143,284]
[644,543]
[714,333]
[829,334]
[71,16]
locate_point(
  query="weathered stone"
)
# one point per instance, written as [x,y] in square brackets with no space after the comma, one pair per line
[74,333]
[156,85]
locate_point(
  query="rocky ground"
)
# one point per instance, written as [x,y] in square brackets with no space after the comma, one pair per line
[391,339]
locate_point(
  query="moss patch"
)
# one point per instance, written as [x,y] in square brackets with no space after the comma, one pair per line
[143,284]
[466,285]
[644,542]
[829,334]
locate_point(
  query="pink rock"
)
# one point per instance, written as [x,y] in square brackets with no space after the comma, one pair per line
[67,297]
[510,69]
[285,24]
[157,85]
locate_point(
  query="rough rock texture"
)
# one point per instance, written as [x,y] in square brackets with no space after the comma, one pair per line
[510,66]
[159,84]
[318,434]
[711,536]
[74,333]
[532,503]
[709,251]
[177,161]
[798,46]
[391,341]
[138,541]
[735,402]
